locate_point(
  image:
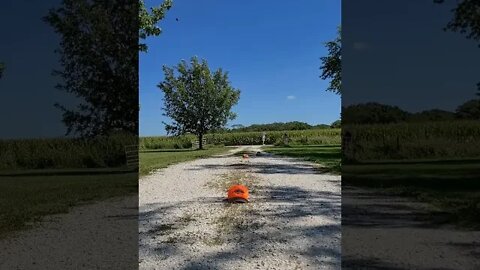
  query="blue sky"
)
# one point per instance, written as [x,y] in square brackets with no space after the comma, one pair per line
[407,60]
[270,48]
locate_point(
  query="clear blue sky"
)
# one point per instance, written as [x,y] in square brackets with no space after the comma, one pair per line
[270,48]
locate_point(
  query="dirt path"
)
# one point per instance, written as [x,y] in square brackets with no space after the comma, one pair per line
[292,221]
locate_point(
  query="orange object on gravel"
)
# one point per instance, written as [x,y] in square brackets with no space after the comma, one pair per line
[238,194]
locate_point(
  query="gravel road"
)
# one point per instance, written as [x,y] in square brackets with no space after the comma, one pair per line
[389,232]
[94,236]
[291,222]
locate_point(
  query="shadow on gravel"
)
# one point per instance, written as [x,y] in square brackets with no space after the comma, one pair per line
[321,244]
[375,215]
[370,209]
[265,168]
[373,264]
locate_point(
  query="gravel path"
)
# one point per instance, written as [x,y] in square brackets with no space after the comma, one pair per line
[291,222]
[390,232]
[93,236]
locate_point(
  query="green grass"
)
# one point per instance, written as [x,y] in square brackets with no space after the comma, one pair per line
[26,199]
[152,160]
[329,156]
[452,186]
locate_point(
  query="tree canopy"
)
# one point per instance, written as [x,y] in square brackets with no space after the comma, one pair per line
[99,60]
[376,113]
[336,124]
[148,20]
[466,19]
[197,99]
[295,125]
[332,64]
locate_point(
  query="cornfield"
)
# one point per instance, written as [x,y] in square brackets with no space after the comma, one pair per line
[64,153]
[310,136]
[449,139]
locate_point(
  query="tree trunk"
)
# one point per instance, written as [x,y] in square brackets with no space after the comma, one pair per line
[200,141]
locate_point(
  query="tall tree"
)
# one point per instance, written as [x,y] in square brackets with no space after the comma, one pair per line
[99,59]
[466,20]
[332,64]
[148,20]
[196,99]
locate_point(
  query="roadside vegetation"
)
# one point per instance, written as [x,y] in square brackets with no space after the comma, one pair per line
[157,159]
[40,177]
[65,153]
[431,156]
[26,199]
[450,186]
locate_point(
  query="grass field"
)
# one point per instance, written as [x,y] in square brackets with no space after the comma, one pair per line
[152,160]
[329,156]
[452,186]
[25,199]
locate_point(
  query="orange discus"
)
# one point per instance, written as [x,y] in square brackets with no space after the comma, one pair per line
[238,193]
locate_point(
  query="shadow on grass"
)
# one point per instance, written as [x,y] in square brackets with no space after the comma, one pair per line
[322,241]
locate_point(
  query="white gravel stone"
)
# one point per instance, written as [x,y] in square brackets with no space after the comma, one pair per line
[292,221]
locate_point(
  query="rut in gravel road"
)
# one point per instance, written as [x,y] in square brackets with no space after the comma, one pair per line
[291,222]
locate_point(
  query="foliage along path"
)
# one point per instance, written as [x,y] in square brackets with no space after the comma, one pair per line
[291,222]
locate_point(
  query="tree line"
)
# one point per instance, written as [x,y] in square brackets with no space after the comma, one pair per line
[376,113]
[278,126]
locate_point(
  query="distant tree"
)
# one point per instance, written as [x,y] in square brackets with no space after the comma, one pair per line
[331,64]
[99,60]
[237,126]
[196,99]
[277,126]
[319,126]
[2,68]
[469,110]
[432,115]
[148,20]
[336,124]
[373,113]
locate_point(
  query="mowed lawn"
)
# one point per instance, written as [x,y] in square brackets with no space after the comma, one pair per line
[452,186]
[26,198]
[329,156]
[157,159]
